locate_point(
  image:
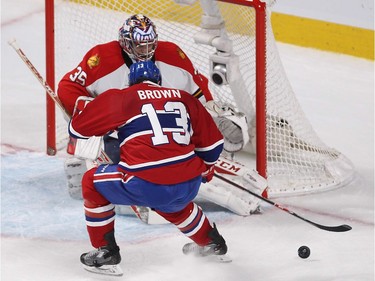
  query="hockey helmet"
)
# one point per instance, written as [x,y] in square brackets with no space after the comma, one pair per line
[138,37]
[142,71]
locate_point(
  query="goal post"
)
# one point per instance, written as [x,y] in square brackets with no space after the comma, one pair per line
[232,43]
[50,78]
[260,89]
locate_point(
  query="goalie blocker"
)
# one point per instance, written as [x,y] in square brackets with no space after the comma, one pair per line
[232,124]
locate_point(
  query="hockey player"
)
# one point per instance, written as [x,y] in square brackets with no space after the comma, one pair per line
[104,67]
[169,144]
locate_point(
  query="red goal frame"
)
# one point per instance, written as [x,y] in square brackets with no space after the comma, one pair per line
[50,76]
[260,11]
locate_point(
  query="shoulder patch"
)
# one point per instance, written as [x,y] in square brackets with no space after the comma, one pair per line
[93,61]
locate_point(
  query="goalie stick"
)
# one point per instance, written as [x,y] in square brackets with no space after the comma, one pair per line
[339,228]
[44,83]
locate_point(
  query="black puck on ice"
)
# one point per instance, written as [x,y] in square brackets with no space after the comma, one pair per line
[304,252]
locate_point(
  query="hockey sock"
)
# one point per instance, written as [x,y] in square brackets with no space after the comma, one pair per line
[99,212]
[192,222]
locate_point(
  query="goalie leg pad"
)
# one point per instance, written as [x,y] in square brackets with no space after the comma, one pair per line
[246,177]
[228,196]
[254,182]
[74,170]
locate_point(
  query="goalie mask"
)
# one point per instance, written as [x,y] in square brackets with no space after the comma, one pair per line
[142,71]
[138,37]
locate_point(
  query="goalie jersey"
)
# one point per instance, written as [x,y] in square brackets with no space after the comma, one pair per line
[106,66]
[161,131]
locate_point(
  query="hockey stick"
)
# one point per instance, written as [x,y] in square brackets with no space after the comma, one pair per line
[339,228]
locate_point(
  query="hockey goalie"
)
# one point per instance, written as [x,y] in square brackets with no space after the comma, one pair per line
[107,65]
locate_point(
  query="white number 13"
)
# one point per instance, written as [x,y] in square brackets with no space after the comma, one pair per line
[180,135]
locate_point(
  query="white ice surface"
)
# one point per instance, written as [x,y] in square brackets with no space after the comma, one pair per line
[43,230]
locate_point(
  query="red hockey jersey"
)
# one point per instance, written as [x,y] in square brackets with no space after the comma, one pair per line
[166,136]
[106,66]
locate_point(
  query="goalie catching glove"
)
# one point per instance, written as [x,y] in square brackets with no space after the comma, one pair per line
[232,124]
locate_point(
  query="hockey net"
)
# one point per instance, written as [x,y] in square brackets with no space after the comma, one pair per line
[237,34]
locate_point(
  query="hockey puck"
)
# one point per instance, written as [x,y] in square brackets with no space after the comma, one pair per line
[304,252]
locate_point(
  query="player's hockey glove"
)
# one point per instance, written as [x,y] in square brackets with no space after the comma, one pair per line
[208,174]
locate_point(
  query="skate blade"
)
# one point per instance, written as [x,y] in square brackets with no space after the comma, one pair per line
[220,258]
[114,270]
[213,258]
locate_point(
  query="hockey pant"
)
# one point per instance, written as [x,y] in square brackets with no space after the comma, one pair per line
[104,186]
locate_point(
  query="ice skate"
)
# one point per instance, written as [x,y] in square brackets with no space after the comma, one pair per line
[215,250]
[103,261]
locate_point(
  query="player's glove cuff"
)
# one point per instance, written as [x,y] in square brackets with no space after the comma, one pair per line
[208,174]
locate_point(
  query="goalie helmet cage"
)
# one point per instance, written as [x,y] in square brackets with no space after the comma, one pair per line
[229,38]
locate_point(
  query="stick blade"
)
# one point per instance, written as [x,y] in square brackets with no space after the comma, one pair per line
[339,228]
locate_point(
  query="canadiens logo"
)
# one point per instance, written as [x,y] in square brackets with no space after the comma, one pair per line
[181,53]
[93,61]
